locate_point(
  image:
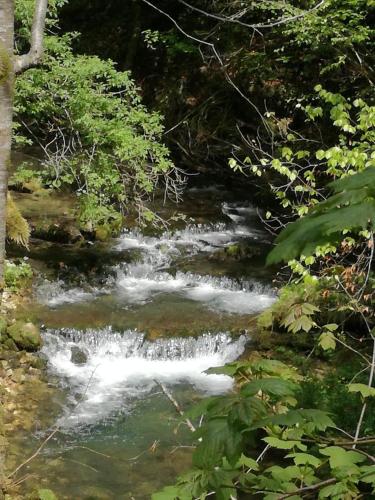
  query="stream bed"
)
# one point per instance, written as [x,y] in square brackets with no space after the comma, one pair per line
[151,307]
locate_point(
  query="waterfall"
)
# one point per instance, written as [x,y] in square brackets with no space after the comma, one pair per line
[115,368]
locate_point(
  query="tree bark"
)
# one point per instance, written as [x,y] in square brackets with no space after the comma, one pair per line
[35,54]
[6,114]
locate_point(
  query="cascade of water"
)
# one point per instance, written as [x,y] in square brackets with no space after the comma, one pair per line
[114,368]
[138,282]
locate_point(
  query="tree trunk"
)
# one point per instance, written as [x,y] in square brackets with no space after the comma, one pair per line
[6,112]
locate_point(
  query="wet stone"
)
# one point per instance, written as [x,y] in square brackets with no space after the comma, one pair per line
[78,356]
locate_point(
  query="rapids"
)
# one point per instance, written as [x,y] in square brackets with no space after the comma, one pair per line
[161,306]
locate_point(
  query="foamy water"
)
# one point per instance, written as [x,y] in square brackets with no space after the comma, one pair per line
[55,293]
[222,294]
[140,281]
[119,367]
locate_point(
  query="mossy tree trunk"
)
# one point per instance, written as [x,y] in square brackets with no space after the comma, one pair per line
[6,114]
[9,66]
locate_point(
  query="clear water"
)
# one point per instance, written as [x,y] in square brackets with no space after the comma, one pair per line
[152,308]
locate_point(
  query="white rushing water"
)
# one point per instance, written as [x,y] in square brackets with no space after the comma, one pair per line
[112,369]
[56,293]
[140,281]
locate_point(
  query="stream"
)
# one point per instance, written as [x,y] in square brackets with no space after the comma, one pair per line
[152,306]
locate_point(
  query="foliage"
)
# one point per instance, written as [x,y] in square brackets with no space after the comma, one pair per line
[331,242]
[26,178]
[17,228]
[97,136]
[274,65]
[17,275]
[302,308]
[352,207]
[307,452]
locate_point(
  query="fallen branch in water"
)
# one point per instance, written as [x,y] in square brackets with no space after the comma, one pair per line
[175,404]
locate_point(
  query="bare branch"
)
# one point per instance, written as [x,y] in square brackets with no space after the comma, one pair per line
[176,405]
[33,57]
[309,489]
[217,56]
[277,22]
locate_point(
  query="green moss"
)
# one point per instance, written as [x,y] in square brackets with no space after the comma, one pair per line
[3,326]
[25,335]
[233,251]
[103,232]
[5,63]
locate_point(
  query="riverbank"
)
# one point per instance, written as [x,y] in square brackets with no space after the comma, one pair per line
[24,390]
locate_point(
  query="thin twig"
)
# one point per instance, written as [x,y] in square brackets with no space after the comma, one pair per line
[176,405]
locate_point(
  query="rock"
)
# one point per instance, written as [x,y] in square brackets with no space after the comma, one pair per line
[18,376]
[38,362]
[8,356]
[64,232]
[233,251]
[78,356]
[10,344]
[3,327]
[73,233]
[25,335]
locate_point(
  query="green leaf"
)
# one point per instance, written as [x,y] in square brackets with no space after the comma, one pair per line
[200,408]
[351,208]
[280,444]
[332,327]
[327,341]
[338,457]
[219,440]
[337,491]
[171,493]
[305,459]
[309,309]
[219,480]
[363,389]
[248,462]
[229,369]
[273,386]
[246,411]
[368,474]
[304,323]
[314,419]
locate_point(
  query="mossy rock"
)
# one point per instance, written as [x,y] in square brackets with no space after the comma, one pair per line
[25,335]
[9,344]
[3,327]
[57,232]
[233,251]
[103,232]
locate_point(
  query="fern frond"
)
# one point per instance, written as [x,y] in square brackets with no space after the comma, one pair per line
[18,229]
